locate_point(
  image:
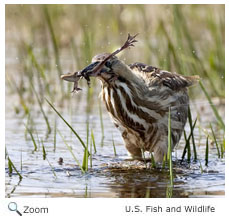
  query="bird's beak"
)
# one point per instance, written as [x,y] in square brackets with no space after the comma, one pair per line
[71,77]
[89,71]
[86,73]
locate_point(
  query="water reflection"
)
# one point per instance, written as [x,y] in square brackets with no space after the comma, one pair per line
[110,175]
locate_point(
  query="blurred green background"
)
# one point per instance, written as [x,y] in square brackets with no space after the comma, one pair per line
[44,41]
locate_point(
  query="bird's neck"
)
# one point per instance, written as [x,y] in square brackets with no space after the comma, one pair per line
[124,71]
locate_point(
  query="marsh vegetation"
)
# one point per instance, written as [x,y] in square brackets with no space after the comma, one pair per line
[60,144]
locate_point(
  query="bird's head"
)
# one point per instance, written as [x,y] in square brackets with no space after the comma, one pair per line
[104,66]
[102,71]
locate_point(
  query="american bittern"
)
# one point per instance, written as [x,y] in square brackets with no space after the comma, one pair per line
[138,98]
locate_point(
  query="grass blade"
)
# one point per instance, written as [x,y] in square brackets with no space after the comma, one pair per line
[75,133]
[54,137]
[216,143]
[153,164]
[85,157]
[70,150]
[42,110]
[101,119]
[164,161]
[91,153]
[115,154]
[11,167]
[219,119]
[192,135]
[206,153]
[32,137]
[53,171]
[143,154]
[93,141]
[201,168]
[169,191]
[54,40]
[187,143]
[43,150]
[187,147]
[169,154]
[85,161]
[222,148]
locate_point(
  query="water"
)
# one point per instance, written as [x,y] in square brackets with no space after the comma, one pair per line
[110,175]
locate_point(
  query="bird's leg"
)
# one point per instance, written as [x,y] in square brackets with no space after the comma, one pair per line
[134,151]
[129,43]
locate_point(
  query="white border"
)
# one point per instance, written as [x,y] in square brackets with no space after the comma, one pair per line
[97,206]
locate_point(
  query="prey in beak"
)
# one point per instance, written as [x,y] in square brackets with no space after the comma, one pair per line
[94,69]
[72,77]
[76,76]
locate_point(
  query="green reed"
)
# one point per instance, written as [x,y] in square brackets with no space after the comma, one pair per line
[93,141]
[187,142]
[91,153]
[43,150]
[86,193]
[54,136]
[12,167]
[169,154]
[216,143]
[143,155]
[169,191]
[70,150]
[53,39]
[38,140]
[32,137]
[75,133]
[153,163]
[21,160]
[213,138]
[206,152]
[40,71]
[27,125]
[89,99]
[147,192]
[192,134]
[182,50]
[101,120]
[164,161]
[115,154]
[214,109]
[42,110]
[198,64]
[45,158]
[19,92]
[86,155]
[222,148]
[53,171]
[201,168]
[87,130]
[187,147]
[85,159]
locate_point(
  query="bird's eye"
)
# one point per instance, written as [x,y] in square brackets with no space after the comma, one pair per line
[108,64]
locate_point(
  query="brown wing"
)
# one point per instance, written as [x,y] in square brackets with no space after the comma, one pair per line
[141,67]
[154,76]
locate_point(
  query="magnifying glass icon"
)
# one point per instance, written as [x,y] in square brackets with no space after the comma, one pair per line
[12,206]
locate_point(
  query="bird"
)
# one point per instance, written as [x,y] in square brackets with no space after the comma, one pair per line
[139,99]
